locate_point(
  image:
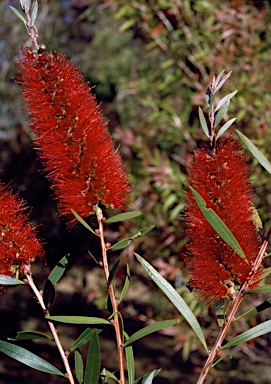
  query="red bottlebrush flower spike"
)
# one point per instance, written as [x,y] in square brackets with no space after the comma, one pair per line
[220,175]
[77,150]
[18,242]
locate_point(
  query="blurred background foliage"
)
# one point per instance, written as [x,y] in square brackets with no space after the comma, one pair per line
[149,64]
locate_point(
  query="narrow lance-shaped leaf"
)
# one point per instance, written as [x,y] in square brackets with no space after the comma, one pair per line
[121,244]
[257,331]
[126,284]
[218,225]
[255,152]
[123,216]
[59,269]
[92,371]
[225,99]
[174,297]
[7,280]
[106,374]
[149,329]
[113,272]
[28,358]
[220,114]
[224,128]
[260,289]
[83,338]
[79,366]
[78,320]
[34,12]
[203,123]
[18,14]
[219,84]
[151,375]
[130,362]
[31,335]
[218,78]
[27,4]
[48,293]
[124,242]
[266,304]
[83,222]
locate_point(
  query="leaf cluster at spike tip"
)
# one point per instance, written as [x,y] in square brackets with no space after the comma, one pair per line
[220,175]
[18,242]
[70,135]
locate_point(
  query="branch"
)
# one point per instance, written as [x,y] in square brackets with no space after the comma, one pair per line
[38,295]
[114,302]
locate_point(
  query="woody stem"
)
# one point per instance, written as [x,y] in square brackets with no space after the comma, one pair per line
[113,299]
[39,297]
[235,304]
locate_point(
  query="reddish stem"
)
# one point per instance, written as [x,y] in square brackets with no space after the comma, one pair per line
[38,295]
[235,305]
[114,302]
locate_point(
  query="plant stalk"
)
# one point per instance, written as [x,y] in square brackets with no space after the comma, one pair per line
[235,305]
[38,295]
[114,302]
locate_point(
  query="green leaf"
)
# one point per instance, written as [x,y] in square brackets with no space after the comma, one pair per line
[151,375]
[7,280]
[113,272]
[27,4]
[93,363]
[220,114]
[224,128]
[84,223]
[79,366]
[149,329]
[130,363]
[121,244]
[219,77]
[126,284]
[83,338]
[59,269]
[106,374]
[28,358]
[30,335]
[123,216]
[266,304]
[219,83]
[48,293]
[257,331]
[174,297]
[254,151]
[203,123]
[143,231]
[34,12]
[78,320]
[225,100]
[260,289]
[18,14]
[218,225]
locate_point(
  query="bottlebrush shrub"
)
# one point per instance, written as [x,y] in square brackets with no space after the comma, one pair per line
[18,242]
[220,175]
[71,137]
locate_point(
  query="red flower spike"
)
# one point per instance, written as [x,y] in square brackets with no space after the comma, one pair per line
[18,242]
[220,176]
[72,140]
